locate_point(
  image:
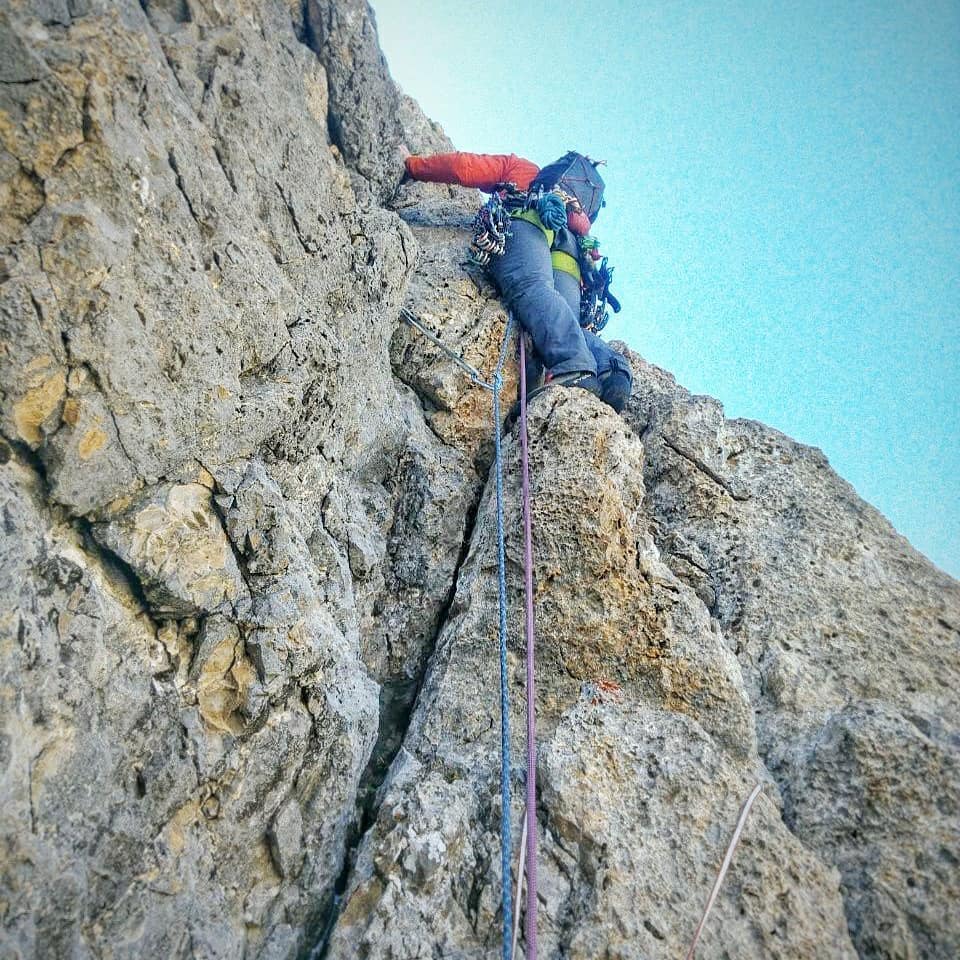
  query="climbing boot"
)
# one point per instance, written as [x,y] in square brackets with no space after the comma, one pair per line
[575,378]
[615,389]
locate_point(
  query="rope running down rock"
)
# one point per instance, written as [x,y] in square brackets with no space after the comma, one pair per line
[531,926]
[727,859]
[506,854]
[529,840]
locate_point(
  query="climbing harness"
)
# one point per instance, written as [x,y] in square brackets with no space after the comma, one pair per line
[475,375]
[531,926]
[545,206]
[506,855]
[727,859]
[491,224]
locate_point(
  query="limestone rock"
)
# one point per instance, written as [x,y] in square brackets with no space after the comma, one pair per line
[640,807]
[248,593]
[364,101]
[175,543]
[620,714]
[190,275]
[861,790]
[848,641]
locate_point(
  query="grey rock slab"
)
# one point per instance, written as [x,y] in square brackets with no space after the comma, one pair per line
[192,275]
[644,805]
[831,613]
[876,790]
[173,540]
[364,101]
[247,571]
[623,643]
[197,229]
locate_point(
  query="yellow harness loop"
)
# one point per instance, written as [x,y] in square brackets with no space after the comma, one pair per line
[562,260]
[531,216]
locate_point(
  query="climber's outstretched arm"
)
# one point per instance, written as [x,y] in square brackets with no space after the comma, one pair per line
[481,170]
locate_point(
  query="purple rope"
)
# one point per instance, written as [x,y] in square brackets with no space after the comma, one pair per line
[531,919]
[506,855]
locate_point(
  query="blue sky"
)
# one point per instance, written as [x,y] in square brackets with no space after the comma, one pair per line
[783,210]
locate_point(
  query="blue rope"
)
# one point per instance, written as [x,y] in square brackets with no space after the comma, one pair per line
[552,211]
[506,854]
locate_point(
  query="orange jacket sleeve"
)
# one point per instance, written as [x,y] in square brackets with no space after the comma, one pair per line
[480,170]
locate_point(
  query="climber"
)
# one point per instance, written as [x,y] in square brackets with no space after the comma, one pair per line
[544,258]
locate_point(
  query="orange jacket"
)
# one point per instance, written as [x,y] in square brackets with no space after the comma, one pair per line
[481,170]
[484,171]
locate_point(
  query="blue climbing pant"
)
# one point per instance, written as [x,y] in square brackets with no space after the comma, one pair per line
[525,277]
[546,302]
[607,359]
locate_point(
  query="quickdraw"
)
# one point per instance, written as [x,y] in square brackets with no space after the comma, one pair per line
[595,290]
[471,371]
[491,224]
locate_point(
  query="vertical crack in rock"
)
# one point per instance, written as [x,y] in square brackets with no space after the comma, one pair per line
[178,179]
[308,247]
[227,173]
[112,561]
[389,743]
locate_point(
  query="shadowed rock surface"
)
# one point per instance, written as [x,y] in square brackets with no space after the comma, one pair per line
[248,672]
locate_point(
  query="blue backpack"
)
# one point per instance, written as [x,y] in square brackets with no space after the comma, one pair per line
[577,175]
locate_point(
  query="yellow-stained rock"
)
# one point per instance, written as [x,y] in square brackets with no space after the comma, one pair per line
[174,541]
[71,411]
[175,832]
[222,684]
[41,400]
[91,442]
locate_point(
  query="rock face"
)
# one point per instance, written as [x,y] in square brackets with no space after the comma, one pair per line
[847,639]
[249,698]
